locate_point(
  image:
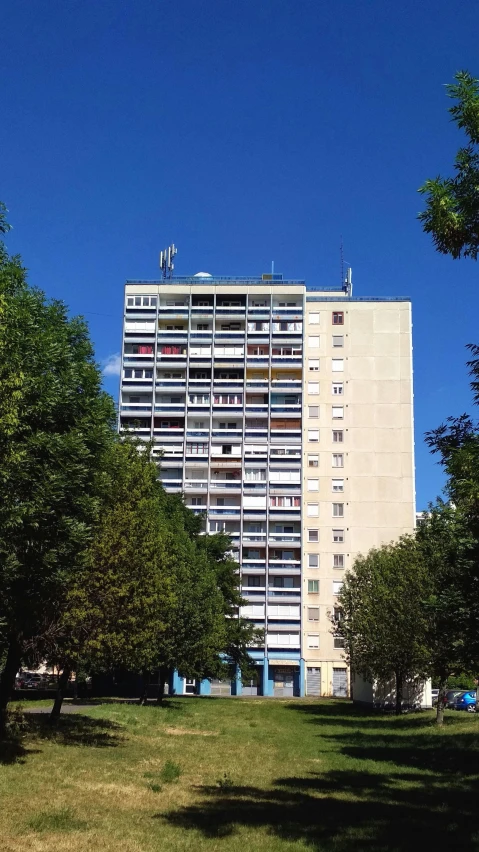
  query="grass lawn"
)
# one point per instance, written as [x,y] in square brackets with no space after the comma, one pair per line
[240,775]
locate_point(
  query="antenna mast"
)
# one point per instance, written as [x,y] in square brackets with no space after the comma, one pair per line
[166,261]
[341,257]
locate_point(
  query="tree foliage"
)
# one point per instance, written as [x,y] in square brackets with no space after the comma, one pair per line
[452,203]
[382,620]
[55,422]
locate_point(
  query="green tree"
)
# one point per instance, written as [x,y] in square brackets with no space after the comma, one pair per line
[452,203]
[205,635]
[444,542]
[55,422]
[382,618]
[119,601]
[456,442]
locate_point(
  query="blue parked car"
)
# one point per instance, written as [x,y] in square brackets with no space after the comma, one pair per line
[466,701]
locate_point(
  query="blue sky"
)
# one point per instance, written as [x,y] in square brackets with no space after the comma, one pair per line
[244,132]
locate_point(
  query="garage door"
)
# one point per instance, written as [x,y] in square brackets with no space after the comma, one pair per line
[340,683]
[250,687]
[313,681]
[220,687]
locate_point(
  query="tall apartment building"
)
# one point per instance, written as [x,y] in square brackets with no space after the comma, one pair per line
[286,415]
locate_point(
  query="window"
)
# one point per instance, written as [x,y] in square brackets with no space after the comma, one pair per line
[197,449]
[313,387]
[338,318]
[313,613]
[338,560]
[337,586]
[130,301]
[313,434]
[338,340]
[313,461]
[313,640]
[202,326]
[338,437]
[196,501]
[314,319]
[338,460]
[338,510]
[313,560]
[338,412]
[220,501]
[337,614]
[313,365]
[226,449]
[251,580]
[137,301]
[128,374]
[313,535]
[338,484]
[337,365]
[313,484]
[198,424]
[338,536]
[313,342]
[338,642]
[313,587]
[134,398]
[313,510]
[337,388]
[314,410]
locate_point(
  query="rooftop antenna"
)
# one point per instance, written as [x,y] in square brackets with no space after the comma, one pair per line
[166,261]
[341,257]
[272,267]
[346,280]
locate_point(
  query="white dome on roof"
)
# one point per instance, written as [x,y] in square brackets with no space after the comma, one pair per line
[202,275]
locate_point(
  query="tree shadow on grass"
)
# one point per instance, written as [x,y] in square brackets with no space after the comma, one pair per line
[347,714]
[75,730]
[13,750]
[346,810]
[395,792]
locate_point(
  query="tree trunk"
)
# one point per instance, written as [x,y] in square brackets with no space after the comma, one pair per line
[61,688]
[144,688]
[399,688]
[7,683]
[161,685]
[440,702]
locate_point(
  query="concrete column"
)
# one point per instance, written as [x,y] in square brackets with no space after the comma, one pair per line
[267,686]
[237,683]
[177,684]
[302,680]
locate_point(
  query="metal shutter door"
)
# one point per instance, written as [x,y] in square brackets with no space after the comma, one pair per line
[340,683]
[313,681]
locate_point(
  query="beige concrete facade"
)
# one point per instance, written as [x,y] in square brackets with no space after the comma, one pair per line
[358,450]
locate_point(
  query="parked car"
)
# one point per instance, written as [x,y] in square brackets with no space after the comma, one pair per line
[451,696]
[34,681]
[466,701]
[434,696]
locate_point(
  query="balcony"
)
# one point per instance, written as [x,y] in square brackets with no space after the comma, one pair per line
[169,407]
[286,384]
[255,536]
[137,407]
[223,385]
[275,538]
[195,485]
[170,383]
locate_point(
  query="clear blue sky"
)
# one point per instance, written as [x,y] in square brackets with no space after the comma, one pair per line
[244,132]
